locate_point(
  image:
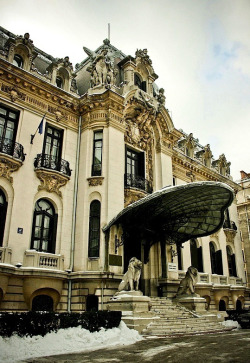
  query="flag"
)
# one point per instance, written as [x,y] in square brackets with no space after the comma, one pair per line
[40,127]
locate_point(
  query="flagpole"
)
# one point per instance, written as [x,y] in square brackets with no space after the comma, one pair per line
[33,136]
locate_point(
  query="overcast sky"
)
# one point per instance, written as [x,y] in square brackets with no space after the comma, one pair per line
[200,50]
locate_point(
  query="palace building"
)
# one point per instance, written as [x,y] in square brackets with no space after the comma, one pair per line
[78,147]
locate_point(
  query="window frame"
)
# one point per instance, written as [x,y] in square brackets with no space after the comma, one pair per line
[51,238]
[3,214]
[7,144]
[96,169]
[20,59]
[54,161]
[94,229]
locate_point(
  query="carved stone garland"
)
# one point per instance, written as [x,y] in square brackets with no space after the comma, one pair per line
[7,167]
[51,182]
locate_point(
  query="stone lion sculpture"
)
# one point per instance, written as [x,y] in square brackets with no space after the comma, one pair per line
[187,284]
[131,278]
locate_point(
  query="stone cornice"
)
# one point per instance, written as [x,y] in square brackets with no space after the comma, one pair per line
[30,92]
[103,110]
[198,171]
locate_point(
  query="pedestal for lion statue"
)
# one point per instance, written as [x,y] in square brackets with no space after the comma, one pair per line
[186,295]
[130,300]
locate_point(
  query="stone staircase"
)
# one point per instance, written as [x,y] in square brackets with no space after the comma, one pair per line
[171,319]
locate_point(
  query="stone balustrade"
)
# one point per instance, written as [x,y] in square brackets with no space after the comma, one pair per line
[38,259]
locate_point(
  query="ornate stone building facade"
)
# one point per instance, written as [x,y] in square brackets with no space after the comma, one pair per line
[243,205]
[106,141]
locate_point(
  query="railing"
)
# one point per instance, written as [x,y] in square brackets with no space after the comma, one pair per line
[138,182]
[33,258]
[230,225]
[53,163]
[12,148]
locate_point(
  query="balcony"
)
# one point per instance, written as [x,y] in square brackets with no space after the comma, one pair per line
[12,148]
[33,258]
[52,163]
[132,181]
[11,157]
[52,172]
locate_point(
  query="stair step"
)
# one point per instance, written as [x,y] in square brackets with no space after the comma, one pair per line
[175,319]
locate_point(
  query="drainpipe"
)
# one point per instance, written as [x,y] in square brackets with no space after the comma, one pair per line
[72,249]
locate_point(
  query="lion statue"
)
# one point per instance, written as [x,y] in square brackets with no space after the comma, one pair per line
[187,284]
[131,278]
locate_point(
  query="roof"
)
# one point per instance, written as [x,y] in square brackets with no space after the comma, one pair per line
[177,213]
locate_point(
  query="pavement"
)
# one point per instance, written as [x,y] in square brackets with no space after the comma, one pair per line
[228,347]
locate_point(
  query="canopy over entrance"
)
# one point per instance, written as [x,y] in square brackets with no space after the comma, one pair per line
[177,213]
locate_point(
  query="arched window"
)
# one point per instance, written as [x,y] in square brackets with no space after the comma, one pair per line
[18,61]
[222,305]
[3,211]
[59,82]
[141,84]
[231,262]
[216,260]
[94,228]
[196,255]
[42,303]
[44,227]
[179,256]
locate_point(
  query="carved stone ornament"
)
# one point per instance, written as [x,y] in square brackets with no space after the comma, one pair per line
[51,181]
[13,92]
[102,67]
[230,234]
[131,196]
[95,181]
[7,167]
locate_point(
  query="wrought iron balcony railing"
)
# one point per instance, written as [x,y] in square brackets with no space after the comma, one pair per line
[138,182]
[53,163]
[12,148]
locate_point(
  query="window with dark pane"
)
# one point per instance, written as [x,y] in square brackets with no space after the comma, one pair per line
[231,262]
[97,154]
[52,148]
[3,212]
[59,82]
[196,255]
[94,228]
[141,84]
[18,61]
[135,169]
[8,128]
[44,227]
[212,257]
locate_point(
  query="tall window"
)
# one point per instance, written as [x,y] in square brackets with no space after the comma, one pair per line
[179,256]
[94,228]
[196,255]
[8,128]
[52,148]
[141,84]
[135,169]
[59,82]
[44,227]
[216,260]
[97,154]
[18,61]
[231,262]
[3,211]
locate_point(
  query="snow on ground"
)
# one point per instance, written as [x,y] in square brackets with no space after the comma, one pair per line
[64,341]
[231,324]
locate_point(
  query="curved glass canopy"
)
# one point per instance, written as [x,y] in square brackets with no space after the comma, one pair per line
[177,213]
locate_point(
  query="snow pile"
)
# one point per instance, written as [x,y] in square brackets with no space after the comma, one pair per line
[231,324]
[64,341]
